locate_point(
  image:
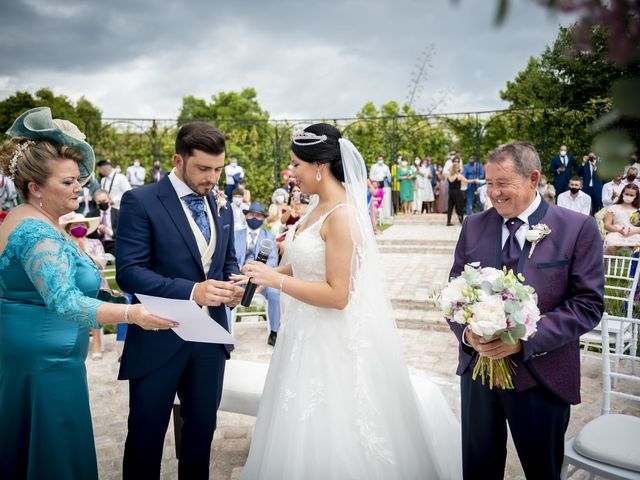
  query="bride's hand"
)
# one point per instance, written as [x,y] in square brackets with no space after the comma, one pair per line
[239,279]
[261,274]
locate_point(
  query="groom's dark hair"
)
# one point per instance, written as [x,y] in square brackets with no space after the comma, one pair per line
[199,136]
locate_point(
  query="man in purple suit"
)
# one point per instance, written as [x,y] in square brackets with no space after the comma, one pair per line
[566,270]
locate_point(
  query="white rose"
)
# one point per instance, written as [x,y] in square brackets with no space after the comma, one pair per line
[69,128]
[490,274]
[459,317]
[452,293]
[531,315]
[488,315]
[533,235]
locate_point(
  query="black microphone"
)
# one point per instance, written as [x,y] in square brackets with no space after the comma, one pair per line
[266,246]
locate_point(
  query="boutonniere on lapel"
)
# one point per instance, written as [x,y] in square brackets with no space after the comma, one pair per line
[535,234]
[221,198]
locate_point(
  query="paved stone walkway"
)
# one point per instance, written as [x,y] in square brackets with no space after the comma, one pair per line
[417,254]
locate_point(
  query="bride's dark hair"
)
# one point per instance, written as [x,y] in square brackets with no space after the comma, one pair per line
[327,151]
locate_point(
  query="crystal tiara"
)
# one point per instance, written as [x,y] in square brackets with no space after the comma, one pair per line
[307,138]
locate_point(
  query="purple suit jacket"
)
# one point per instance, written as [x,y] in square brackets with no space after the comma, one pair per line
[566,270]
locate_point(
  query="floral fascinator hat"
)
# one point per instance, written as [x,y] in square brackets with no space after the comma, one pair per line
[37,124]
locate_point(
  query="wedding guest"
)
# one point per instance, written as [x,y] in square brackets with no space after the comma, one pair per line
[575,199]
[85,200]
[377,195]
[474,173]
[547,190]
[566,271]
[405,177]
[562,166]
[591,183]
[611,190]
[136,174]
[247,243]
[246,196]
[632,176]
[278,206]
[237,205]
[109,218]
[379,172]
[112,182]
[158,173]
[617,221]
[47,298]
[294,209]
[441,191]
[78,227]
[395,186]
[232,175]
[456,195]
[425,188]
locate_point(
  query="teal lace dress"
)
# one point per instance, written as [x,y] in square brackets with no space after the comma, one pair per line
[46,308]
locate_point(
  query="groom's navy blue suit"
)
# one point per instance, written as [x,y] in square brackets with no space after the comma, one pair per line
[566,270]
[157,254]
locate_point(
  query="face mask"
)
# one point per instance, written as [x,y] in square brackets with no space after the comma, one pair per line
[574,190]
[137,164]
[237,201]
[628,198]
[296,197]
[417,162]
[254,223]
[631,178]
[543,183]
[563,153]
[279,199]
[403,163]
[380,162]
[104,206]
[157,166]
[79,231]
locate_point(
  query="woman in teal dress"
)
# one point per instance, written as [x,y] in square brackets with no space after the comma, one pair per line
[47,303]
[406,177]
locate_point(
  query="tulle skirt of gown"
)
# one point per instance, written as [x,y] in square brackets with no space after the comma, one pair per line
[333,408]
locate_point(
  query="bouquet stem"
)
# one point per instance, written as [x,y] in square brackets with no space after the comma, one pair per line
[498,372]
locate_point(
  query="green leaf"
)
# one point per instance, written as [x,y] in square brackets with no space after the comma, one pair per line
[626,96]
[614,147]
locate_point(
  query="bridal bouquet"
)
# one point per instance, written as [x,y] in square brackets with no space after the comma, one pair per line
[492,303]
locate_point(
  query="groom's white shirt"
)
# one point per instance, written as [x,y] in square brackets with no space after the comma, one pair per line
[206,251]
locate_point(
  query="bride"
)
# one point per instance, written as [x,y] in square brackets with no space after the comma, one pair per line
[338,402]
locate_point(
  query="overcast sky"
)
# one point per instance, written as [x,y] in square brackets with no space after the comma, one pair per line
[138,58]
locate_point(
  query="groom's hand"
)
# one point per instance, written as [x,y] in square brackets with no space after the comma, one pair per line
[238,292]
[213,293]
[494,349]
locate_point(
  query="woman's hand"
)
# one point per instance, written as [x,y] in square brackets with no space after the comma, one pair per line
[141,317]
[261,274]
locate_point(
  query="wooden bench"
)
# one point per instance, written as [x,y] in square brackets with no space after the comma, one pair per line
[241,392]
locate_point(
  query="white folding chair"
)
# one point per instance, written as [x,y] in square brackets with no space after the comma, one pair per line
[609,446]
[621,283]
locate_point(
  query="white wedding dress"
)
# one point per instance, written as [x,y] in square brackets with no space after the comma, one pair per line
[338,402]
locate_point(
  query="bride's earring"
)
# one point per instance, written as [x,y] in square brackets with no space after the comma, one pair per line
[40,201]
[318,176]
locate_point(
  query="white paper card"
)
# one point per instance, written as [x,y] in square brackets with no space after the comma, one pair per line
[195,324]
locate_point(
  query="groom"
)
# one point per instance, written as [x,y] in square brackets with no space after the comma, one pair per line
[566,271]
[174,241]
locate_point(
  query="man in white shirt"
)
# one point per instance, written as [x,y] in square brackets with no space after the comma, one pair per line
[574,198]
[611,190]
[136,174]
[239,220]
[114,183]
[232,175]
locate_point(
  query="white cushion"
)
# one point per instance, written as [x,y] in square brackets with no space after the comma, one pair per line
[242,388]
[611,439]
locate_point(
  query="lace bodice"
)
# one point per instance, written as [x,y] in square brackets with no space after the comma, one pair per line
[40,265]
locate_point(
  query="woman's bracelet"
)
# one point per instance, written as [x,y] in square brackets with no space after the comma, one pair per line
[282,282]
[126,313]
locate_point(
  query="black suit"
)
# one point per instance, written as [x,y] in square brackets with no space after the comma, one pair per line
[109,245]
